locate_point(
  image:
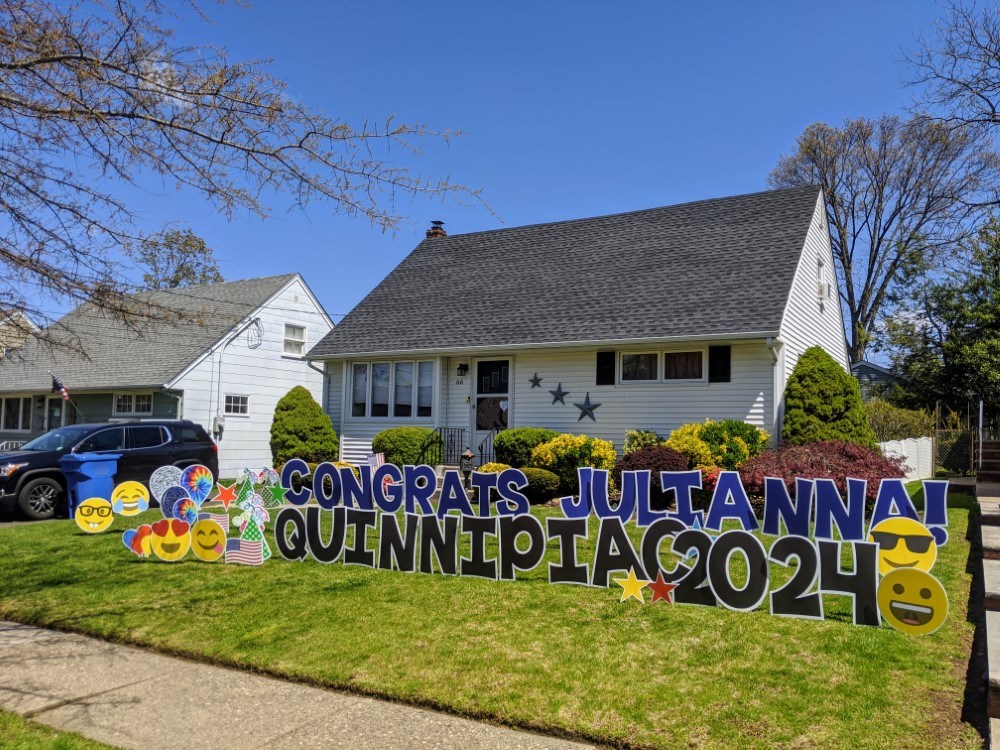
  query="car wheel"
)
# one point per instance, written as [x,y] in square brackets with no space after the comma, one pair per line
[40,498]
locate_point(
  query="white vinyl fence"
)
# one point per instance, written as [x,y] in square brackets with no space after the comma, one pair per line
[918,453]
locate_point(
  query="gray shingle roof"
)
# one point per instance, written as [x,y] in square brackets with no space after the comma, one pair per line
[118,357]
[722,266]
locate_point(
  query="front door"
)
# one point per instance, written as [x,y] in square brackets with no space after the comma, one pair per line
[55,412]
[492,385]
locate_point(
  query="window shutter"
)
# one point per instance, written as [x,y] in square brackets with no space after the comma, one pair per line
[718,364]
[605,368]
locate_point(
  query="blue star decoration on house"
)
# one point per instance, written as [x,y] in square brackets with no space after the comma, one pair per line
[559,395]
[536,382]
[587,409]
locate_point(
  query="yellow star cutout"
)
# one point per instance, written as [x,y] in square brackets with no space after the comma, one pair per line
[632,586]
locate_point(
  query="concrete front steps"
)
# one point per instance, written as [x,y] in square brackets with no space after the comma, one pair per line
[989,469]
[988,494]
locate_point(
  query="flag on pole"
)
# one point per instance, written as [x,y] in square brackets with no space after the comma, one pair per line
[58,386]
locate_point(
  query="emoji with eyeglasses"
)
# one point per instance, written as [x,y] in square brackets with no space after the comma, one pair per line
[94,515]
[903,543]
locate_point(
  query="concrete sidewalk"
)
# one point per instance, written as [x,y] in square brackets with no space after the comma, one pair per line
[136,699]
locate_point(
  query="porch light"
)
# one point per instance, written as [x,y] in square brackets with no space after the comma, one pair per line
[463,369]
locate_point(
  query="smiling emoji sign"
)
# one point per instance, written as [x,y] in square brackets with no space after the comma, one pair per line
[171,539]
[903,543]
[208,540]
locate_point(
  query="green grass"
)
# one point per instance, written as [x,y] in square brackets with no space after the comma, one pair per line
[17,733]
[563,659]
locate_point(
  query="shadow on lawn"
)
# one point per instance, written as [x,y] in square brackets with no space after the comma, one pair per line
[974,700]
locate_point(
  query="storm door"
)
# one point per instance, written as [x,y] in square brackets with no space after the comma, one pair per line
[492,405]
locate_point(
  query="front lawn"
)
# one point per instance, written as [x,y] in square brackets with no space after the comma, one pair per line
[17,733]
[564,659]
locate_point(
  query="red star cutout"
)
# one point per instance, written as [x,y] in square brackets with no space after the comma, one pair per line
[662,590]
[226,494]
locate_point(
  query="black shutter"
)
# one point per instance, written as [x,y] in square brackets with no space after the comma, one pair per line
[605,368]
[718,364]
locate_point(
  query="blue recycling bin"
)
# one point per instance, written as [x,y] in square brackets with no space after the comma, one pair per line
[88,475]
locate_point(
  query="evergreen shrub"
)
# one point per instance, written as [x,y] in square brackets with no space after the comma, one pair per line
[406,446]
[823,403]
[514,446]
[300,429]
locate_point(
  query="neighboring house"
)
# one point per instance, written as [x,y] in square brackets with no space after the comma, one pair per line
[237,348]
[14,331]
[873,379]
[647,319]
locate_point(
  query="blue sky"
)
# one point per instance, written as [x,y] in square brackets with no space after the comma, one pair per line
[569,109]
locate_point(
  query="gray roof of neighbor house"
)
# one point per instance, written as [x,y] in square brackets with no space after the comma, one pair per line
[714,267]
[152,355]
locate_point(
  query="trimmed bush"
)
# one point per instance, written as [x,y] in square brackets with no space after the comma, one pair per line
[732,442]
[687,441]
[834,459]
[655,458]
[726,444]
[823,403]
[405,446]
[892,422]
[514,446]
[636,439]
[300,429]
[492,468]
[564,454]
[542,485]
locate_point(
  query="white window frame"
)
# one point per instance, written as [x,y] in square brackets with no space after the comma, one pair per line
[285,340]
[657,375]
[132,412]
[20,413]
[369,365]
[703,350]
[661,367]
[225,405]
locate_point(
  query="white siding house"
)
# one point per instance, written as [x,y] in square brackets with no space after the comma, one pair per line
[236,349]
[644,320]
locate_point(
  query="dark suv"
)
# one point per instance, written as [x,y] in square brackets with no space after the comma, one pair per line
[31,478]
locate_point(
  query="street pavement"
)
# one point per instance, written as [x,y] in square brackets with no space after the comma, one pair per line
[133,698]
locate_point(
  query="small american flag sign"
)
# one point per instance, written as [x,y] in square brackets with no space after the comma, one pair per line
[376,460]
[243,552]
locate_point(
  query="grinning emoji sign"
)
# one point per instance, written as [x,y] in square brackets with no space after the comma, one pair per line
[913,601]
[171,539]
[903,543]
[94,515]
[130,498]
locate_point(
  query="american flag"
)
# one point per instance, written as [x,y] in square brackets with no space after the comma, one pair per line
[58,386]
[220,518]
[376,460]
[244,552]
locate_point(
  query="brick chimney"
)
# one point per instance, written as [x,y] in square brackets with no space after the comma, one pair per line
[437,230]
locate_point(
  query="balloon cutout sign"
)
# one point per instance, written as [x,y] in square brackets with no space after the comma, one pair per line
[414,521]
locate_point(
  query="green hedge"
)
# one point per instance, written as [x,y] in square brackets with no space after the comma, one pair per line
[542,485]
[895,423]
[404,446]
[513,447]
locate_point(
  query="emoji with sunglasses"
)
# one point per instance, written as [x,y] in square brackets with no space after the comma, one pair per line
[94,515]
[903,543]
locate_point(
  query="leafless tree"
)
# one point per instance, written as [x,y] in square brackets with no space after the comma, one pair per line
[957,70]
[901,195]
[175,257]
[96,95]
